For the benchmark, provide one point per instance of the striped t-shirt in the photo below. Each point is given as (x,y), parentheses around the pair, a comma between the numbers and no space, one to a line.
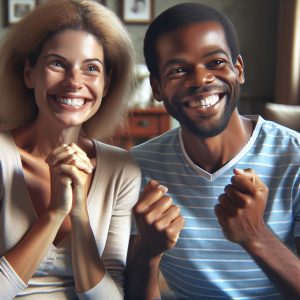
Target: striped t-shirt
(204,264)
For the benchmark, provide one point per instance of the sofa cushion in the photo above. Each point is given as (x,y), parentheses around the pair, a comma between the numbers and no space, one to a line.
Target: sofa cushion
(287,115)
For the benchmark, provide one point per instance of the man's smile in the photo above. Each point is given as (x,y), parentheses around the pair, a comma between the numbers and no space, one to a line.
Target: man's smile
(203,102)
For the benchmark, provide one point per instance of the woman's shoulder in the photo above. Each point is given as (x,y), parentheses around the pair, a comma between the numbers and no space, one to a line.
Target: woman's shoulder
(7,143)
(114,156)
(5,135)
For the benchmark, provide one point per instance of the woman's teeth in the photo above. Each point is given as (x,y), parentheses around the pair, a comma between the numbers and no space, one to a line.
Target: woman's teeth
(204,102)
(75,102)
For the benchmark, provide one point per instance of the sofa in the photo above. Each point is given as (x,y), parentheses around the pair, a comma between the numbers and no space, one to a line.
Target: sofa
(287,115)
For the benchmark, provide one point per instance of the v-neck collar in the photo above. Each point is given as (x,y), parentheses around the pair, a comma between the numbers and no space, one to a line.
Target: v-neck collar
(213,176)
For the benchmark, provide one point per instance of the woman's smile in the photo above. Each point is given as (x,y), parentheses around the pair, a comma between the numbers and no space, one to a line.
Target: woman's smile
(69,85)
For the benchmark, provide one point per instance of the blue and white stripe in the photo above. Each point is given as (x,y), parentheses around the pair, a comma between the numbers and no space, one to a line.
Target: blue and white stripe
(204,264)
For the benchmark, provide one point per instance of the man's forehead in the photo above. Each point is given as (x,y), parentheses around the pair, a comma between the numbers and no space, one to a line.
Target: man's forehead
(203,33)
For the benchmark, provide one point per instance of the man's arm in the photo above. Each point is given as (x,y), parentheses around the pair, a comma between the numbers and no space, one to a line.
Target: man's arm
(141,273)
(240,213)
(159,223)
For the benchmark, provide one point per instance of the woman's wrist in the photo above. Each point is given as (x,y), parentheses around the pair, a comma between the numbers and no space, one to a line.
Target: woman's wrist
(79,215)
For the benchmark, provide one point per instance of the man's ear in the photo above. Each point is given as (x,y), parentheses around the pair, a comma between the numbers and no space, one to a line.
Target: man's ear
(156,90)
(239,67)
(28,74)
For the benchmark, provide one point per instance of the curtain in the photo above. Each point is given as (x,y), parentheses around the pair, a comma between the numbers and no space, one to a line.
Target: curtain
(288,53)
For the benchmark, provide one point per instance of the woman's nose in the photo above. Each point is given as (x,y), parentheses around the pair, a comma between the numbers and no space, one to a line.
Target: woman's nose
(73,79)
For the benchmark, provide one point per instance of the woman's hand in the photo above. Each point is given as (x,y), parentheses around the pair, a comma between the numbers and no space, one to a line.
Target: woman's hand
(69,171)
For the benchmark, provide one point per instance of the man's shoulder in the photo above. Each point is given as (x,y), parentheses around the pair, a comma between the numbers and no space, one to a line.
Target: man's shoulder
(166,140)
(275,131)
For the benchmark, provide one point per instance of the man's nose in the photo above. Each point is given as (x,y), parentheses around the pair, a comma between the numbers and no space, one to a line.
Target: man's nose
(200,76)
(73,79)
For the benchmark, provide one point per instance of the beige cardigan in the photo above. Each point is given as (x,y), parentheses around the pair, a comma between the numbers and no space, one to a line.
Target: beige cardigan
(113,192)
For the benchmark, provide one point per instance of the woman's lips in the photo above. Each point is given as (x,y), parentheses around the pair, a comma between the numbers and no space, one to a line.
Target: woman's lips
(73,102)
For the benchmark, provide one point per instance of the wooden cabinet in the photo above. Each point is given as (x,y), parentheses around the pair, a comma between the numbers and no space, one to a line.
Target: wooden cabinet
(142,125)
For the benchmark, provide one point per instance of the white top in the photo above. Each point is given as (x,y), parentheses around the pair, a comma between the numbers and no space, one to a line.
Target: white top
(113,192)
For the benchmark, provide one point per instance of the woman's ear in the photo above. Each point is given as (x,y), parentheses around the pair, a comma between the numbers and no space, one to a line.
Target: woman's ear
(156,90)
(107,80)
(239,67)
(28,74)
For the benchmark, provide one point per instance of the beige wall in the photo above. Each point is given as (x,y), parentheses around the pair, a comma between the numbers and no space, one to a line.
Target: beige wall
(256,23)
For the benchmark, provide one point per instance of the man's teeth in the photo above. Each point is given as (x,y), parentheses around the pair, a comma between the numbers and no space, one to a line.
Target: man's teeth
(75,102)
(204,102)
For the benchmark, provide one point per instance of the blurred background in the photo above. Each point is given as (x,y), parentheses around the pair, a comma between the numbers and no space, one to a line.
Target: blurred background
(269,34)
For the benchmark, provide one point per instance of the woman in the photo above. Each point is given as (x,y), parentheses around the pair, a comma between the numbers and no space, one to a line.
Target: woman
(65,197)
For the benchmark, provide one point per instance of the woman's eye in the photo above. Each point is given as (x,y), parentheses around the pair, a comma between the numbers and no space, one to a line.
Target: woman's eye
(57,64)
(92,68)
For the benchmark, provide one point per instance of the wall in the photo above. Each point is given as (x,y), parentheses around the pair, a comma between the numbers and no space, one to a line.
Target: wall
(256,23)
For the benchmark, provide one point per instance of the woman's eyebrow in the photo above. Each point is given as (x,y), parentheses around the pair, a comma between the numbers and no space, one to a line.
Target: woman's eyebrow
(63,58)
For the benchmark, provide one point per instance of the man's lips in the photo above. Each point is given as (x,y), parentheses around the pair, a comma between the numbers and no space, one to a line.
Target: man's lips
(199,101)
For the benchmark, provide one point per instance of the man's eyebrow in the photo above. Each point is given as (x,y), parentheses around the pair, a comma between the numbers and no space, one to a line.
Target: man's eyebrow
(173,61)
(217,51)
(63,58)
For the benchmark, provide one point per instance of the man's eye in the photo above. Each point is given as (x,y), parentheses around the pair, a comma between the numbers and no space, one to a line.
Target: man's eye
(216,63)
(178,70)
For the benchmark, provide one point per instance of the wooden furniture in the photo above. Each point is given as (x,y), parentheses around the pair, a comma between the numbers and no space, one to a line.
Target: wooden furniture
(143,124)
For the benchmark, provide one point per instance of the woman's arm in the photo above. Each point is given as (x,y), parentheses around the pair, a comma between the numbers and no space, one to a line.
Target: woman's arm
(19,263)
(95,277)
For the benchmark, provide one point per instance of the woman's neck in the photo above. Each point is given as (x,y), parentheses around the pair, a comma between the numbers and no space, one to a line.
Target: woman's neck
(40,140)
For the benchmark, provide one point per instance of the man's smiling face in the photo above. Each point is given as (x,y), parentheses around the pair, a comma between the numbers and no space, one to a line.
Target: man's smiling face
(199,83)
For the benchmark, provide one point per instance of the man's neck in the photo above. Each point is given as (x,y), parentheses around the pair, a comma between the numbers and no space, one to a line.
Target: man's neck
(212,153)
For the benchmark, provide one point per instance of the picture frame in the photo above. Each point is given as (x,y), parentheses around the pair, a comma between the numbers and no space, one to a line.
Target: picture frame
(17,9)
(137,11)
(103,2)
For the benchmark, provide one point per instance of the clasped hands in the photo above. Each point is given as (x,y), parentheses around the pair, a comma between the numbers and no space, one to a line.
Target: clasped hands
(70,168)
(240,213)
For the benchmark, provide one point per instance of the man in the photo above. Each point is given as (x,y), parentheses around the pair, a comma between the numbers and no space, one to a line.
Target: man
(234,179)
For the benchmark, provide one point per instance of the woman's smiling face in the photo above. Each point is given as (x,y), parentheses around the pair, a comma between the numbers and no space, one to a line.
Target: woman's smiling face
(69,78)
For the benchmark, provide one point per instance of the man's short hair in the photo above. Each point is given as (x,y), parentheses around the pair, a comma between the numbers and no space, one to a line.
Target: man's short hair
(182,15)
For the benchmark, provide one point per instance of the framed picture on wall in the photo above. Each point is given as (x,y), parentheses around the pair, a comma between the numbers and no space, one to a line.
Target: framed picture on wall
(103,2)
(17,9)
(137,11)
